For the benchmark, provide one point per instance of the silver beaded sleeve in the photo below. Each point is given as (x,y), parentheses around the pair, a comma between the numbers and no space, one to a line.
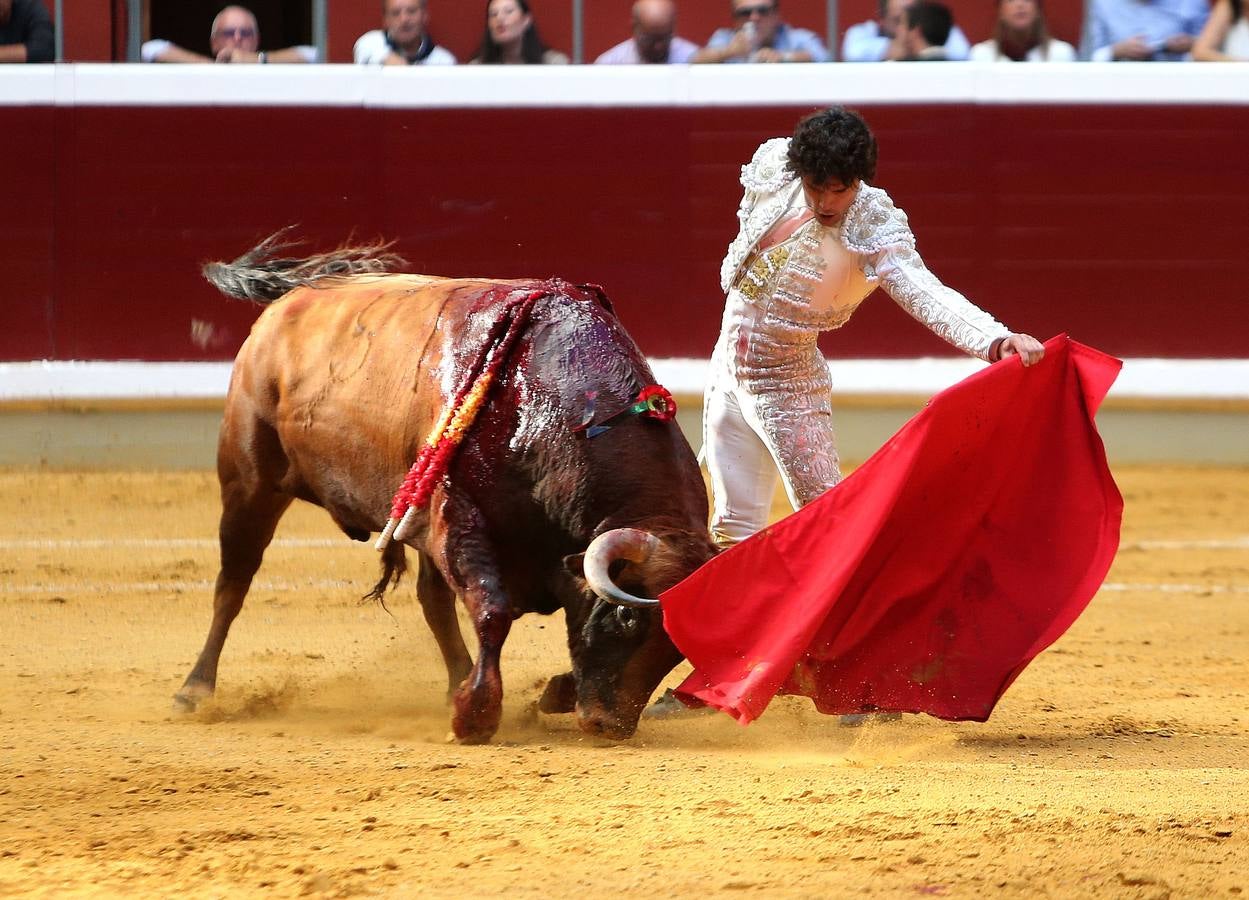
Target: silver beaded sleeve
(880,231)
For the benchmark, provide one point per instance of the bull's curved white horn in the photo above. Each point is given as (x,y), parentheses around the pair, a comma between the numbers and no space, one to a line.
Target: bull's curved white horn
(632,544)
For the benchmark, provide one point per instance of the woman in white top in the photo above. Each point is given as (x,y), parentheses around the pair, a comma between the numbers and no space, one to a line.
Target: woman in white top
(1022,36)
(1226,35)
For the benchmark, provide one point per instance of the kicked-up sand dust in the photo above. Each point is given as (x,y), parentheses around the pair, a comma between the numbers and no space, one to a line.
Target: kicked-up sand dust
(1116,766)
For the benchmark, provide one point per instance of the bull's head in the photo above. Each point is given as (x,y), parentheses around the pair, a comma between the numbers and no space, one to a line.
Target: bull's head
(623,651)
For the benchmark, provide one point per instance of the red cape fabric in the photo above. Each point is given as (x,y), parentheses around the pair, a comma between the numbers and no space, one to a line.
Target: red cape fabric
(930,577)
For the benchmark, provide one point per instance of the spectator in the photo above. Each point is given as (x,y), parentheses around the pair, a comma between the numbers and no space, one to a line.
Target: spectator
(927,29)
(235,38)
(1022,36)
(761,37)
(1226,35)
(405,40)
(654,37)
(26,34)
(511,37)
(881,39)
(1143,30)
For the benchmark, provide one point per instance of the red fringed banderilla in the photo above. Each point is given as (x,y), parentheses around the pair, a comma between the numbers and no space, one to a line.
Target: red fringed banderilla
(435,456)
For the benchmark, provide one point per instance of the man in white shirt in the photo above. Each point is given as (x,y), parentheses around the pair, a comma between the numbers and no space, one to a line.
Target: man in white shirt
(882,38)
(234,38)
(405,40)
(654,38)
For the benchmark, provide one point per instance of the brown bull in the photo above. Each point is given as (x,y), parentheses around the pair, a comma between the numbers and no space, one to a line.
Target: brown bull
(332,397)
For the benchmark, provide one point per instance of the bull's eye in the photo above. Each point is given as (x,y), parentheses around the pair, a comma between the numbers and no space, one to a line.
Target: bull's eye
(629,619)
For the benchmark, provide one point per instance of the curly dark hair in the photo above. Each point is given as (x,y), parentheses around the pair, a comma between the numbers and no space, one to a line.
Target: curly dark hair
(833,144)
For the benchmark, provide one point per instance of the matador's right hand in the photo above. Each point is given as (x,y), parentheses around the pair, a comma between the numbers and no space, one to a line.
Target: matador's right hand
(1029,350)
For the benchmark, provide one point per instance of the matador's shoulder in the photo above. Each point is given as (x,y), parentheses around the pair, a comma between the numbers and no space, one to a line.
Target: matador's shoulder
(873,223)
(768,169)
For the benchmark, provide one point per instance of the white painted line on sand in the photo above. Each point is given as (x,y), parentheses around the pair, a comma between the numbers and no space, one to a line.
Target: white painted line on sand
(147,587)
(1236,543)
(97,543)
(151,587)
(1233,543)
(1173,587)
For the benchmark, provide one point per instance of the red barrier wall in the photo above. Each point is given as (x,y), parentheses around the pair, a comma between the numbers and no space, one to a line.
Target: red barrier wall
(1123,226)
(92,28)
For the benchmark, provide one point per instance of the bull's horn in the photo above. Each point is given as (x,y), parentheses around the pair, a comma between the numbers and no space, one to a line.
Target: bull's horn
(619,543)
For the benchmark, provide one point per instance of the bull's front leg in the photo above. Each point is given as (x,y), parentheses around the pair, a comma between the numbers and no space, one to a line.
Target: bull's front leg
(468,560)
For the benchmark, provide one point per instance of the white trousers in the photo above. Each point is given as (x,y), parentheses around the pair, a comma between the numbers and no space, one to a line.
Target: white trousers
(745,457)
(741,465)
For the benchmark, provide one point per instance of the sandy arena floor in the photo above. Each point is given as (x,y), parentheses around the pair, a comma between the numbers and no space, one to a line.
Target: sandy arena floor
(1117,766)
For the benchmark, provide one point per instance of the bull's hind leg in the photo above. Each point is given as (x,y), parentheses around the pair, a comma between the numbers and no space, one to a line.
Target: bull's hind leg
(248,519)
(467,559)
(438,604)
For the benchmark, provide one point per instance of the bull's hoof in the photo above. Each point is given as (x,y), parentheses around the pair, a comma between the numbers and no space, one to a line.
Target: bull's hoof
(475,726)
(471,739)
(468,731)
(189,697)
(612,731)
(559,696)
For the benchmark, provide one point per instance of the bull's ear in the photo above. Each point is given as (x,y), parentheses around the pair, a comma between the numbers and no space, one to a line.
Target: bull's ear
(574,564)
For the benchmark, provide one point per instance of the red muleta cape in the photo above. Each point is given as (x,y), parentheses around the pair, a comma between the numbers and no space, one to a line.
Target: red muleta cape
(930,577)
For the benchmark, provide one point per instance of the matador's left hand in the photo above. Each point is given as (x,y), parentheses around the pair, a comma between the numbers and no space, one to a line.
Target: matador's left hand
(1028,348)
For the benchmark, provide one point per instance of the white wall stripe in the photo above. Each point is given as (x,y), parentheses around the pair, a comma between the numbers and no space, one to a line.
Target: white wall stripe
(105,84)
(1224,379)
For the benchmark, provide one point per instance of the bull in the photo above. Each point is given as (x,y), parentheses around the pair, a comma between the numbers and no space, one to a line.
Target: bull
(343,376)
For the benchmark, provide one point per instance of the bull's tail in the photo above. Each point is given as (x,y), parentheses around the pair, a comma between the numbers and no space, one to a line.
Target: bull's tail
(394,565)
(261,276)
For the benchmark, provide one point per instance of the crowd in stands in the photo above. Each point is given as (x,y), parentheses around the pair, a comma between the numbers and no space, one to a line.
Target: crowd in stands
(904,30)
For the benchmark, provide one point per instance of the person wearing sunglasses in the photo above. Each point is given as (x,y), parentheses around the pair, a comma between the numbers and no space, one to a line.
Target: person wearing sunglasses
(234,38)
(759,35)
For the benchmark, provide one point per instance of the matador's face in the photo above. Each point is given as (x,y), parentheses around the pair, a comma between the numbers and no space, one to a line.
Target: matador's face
(830,200)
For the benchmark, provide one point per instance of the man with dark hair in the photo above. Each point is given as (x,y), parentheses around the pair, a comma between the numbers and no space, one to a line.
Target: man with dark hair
(927,29)
(816,238)
(405,41)
(880,39)
(26,34)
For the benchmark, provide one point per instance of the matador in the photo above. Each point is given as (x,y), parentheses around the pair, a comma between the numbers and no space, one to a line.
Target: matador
(816,238)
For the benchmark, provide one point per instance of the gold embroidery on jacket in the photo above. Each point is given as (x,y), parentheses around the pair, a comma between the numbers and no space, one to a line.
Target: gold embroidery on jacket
(760,274)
